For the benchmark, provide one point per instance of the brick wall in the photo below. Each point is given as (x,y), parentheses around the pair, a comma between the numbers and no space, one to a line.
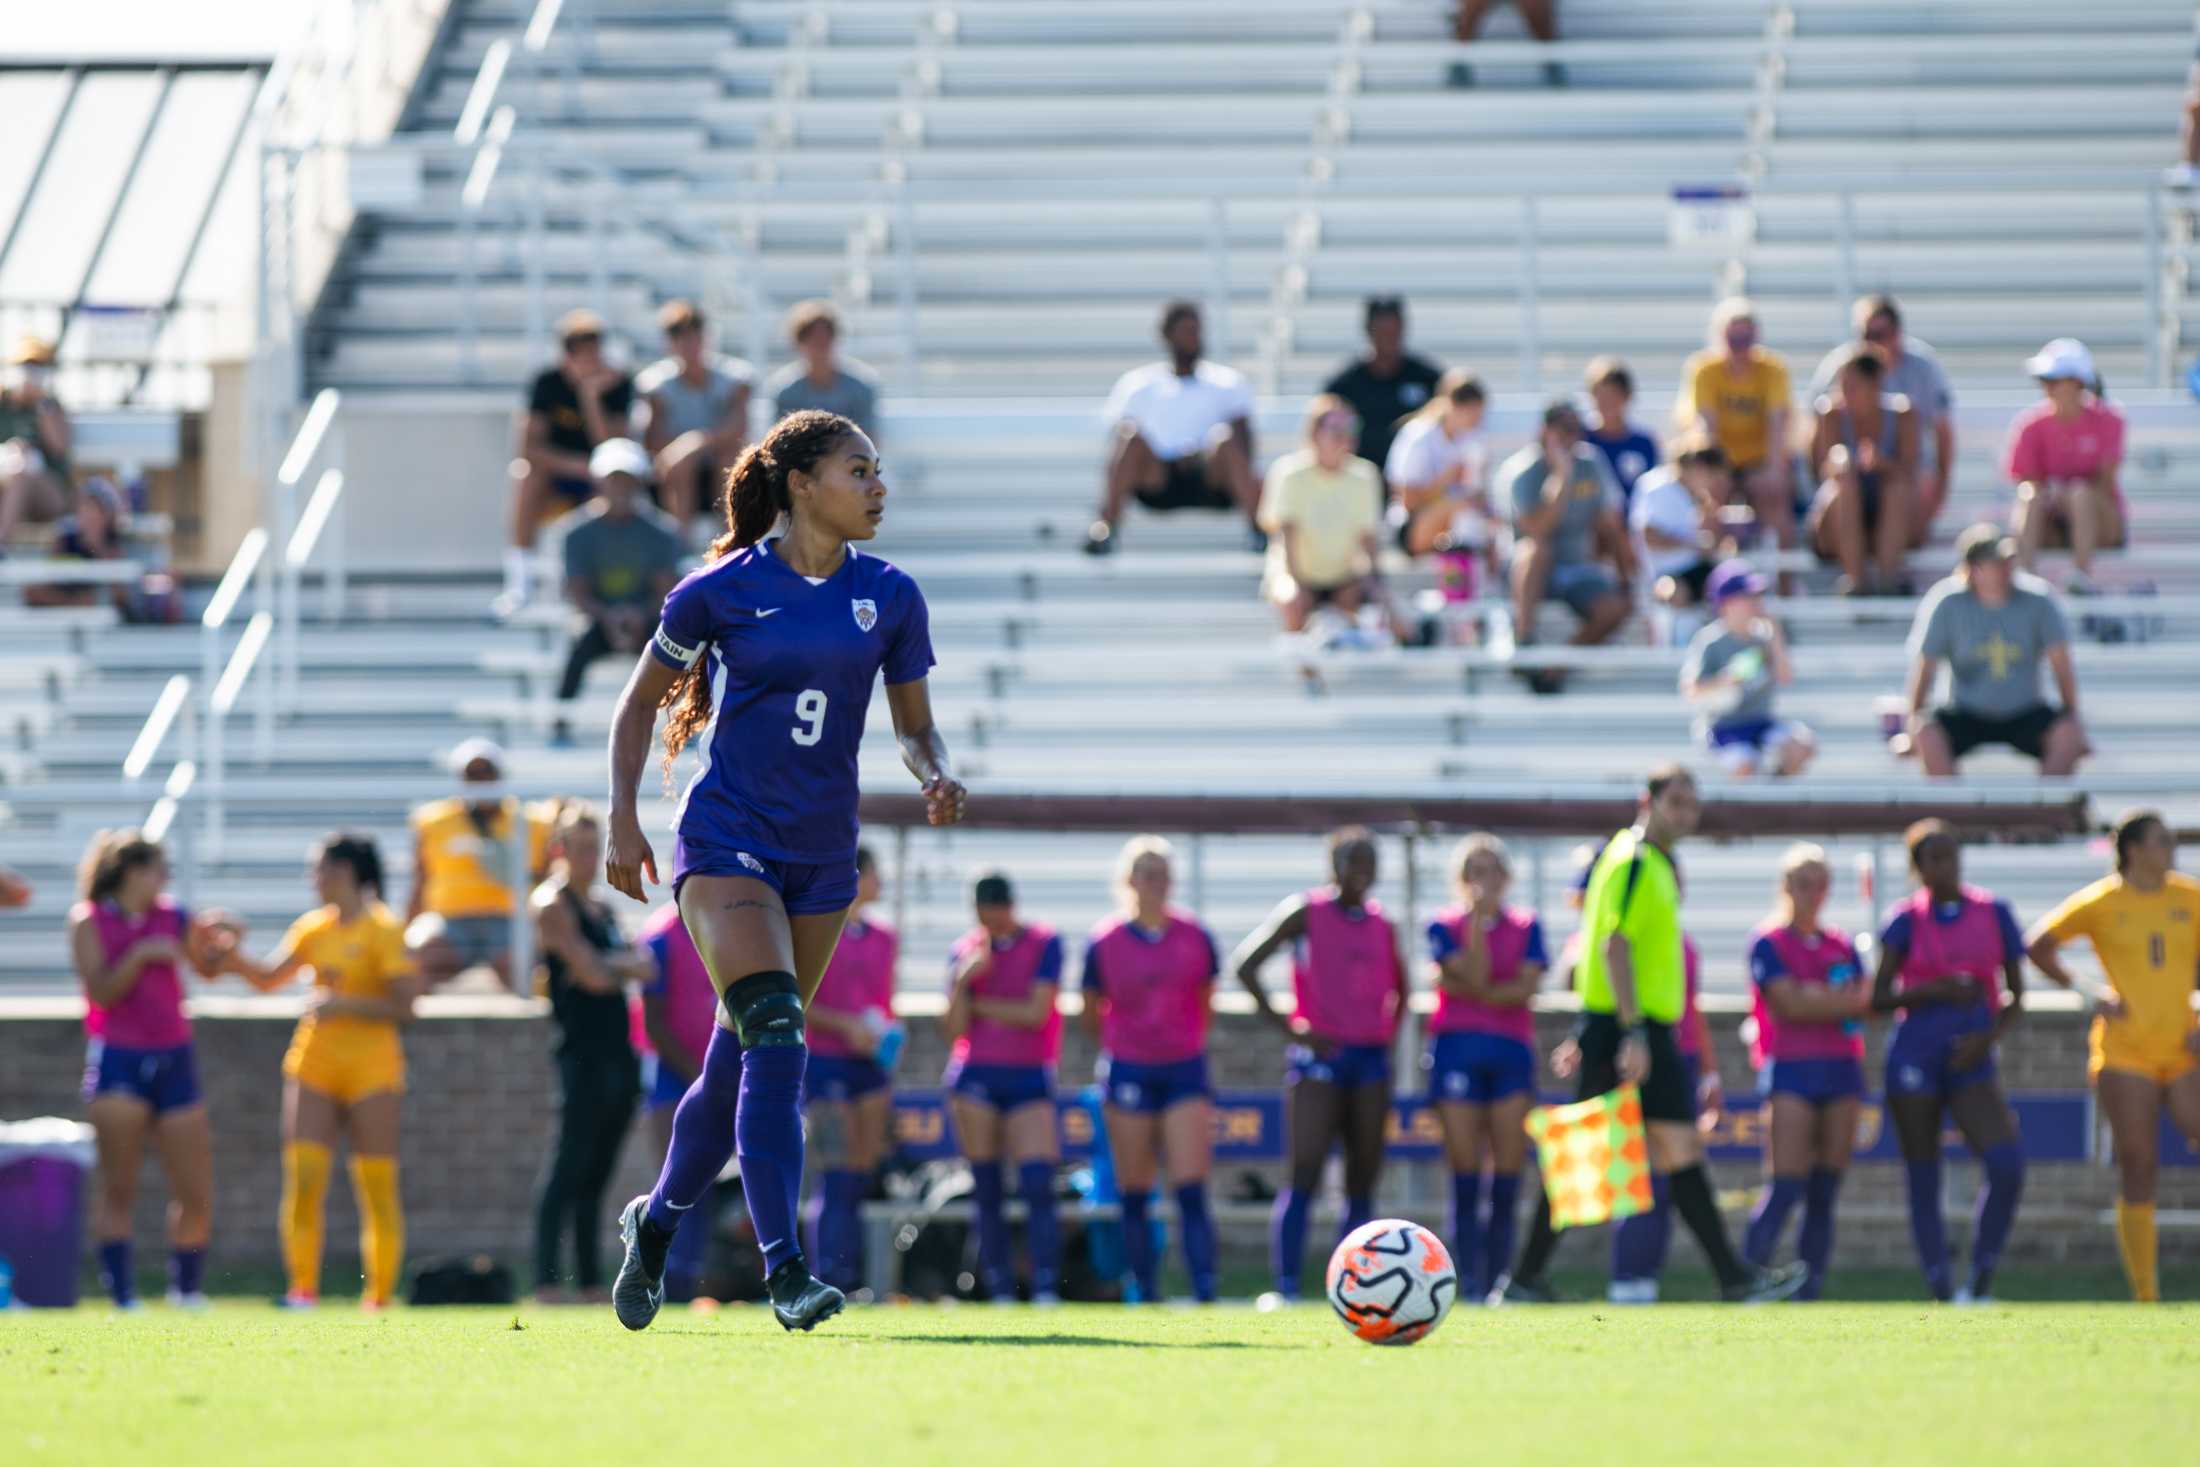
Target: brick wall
(481,1103)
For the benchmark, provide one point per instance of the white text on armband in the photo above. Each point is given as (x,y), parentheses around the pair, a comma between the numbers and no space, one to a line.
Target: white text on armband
(674,652)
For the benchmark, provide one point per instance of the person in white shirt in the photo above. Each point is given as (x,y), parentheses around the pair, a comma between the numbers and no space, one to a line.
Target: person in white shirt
(1675,519)
(1183,436)
(1439,472)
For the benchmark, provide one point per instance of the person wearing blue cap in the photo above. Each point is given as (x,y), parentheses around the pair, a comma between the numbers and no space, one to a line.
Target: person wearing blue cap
(1732,673)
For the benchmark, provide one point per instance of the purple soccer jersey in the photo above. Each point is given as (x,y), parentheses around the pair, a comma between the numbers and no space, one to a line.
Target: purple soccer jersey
(791,667)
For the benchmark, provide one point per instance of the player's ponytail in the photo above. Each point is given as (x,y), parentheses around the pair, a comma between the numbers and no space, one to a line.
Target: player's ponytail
(757,497)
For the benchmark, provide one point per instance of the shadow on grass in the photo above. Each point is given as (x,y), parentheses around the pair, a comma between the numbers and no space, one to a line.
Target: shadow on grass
(1082,1340)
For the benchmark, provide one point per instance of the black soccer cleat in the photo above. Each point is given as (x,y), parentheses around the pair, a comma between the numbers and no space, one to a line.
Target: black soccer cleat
(1510,1290)
(1768,1285)
(639,1290)
(798,1300)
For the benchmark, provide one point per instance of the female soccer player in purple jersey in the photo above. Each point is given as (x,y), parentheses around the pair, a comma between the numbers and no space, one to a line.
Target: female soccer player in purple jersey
(1945,958)
(769,653)
(1349,989)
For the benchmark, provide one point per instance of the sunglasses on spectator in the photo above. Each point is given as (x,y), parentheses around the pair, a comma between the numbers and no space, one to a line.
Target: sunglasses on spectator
(583,338)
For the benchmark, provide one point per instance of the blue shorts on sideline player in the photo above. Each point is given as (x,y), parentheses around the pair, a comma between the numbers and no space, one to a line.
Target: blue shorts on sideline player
(1477,1068)
(1152,1089)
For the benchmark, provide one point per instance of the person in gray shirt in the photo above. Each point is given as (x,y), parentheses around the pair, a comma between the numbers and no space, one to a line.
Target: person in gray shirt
(821,378)
(621,558)
(1915,373)
(1732,672)
(698,414)
(1993,628)
(1568,542)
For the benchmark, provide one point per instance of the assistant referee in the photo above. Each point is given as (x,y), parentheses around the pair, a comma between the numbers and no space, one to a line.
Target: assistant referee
(1631,979)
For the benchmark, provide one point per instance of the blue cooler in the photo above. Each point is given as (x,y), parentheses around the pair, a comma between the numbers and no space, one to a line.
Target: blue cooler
(42,1167)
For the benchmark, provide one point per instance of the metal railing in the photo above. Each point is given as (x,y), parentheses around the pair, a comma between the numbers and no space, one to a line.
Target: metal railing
(317,440)
(171,709)
(223,682)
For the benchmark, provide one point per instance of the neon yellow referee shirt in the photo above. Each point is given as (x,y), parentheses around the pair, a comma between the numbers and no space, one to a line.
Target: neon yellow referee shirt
(1633,891)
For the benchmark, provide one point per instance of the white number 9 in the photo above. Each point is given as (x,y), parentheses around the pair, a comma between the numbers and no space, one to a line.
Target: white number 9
(810,708)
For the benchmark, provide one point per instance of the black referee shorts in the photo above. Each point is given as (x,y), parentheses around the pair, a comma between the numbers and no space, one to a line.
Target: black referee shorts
(1666,1093)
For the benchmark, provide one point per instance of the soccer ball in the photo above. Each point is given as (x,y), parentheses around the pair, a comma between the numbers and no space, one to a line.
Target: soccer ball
(1391,1282)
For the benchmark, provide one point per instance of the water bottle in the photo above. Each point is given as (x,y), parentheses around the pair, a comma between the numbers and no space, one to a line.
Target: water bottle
(890,1036)
(7,1284)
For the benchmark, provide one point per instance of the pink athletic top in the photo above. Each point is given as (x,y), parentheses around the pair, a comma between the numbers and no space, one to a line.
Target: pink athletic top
(150,1015)
(1514,937)
(2045,449)
(1781,954)
(1972,939)
(1345,973)
(680,979)
(1157,987)
(859,979)
(1032,956)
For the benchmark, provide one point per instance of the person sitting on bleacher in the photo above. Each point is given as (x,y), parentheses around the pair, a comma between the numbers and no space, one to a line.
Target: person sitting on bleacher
(1386,384)
(1675,519)
(1321,508)
(34,444)
(1993,629)
(1864,452)
(1628,451)
(1734,670)
(621,558)
(820,379)
(94,532)
(1568,542)
(2065,455)
(1737,391)
(1914,372)
(698,415)
(1183,435)
(571,408)
(461,911)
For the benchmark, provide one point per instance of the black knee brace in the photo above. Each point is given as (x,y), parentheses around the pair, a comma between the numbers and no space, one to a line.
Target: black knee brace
(766,1009)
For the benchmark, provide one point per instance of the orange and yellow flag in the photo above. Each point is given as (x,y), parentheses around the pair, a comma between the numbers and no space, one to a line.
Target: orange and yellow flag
(1595,1161)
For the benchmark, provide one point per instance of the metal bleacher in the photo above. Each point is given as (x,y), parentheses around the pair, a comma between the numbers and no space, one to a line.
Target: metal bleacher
(999,194)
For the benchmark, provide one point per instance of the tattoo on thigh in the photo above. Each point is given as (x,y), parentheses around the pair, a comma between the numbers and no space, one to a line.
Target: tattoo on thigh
(748,902)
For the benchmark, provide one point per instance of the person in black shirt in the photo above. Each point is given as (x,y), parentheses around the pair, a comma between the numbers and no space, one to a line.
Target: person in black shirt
(1388,383)
(571,408)
(599,1079)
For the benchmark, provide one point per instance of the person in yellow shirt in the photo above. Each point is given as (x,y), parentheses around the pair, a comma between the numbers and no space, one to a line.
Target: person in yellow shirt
(345,1068)
(2144,924)
(1321,507)
(460,916)
(1737,391)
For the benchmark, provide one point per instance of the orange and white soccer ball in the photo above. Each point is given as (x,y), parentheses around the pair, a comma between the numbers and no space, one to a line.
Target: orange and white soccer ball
(1391,1282)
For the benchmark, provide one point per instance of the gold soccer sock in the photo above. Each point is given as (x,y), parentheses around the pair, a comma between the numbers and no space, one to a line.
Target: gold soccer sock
(2135,1237)
(305,1192)
(381,1224)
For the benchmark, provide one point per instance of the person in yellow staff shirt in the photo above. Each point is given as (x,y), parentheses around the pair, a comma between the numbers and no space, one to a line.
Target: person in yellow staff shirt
(460,916)
(345,1069)
(1737,391)
(2144,924)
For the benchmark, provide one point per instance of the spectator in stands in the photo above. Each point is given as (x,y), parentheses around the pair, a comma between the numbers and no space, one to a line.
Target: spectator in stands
(2187,171)
(1993,630)
(1568,543)
(620,559)
(14,890)
(1628,451)
(571,408)
(2065,455)
(35,438)
(1319,507)
(461,911)
(1439,472)
(698,414)
(1675,519)
(1539,16)
(1737,391)
(1183,435)
(1733,671)
(94,532)
(1912,371)
(1864,453)
(1386,384)
(822,378)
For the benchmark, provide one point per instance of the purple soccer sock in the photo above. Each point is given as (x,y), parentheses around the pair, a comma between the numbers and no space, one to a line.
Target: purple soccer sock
(1198,1226)
(1287,1239)
(702,1133)
(1815,1245)
(1357,1210)
(837,1236)
(1927,1230)
(1640,1242)
(689,1254)
(1497,1239)
(114,1271)
(1468,1239)
(1997,1212)
(986,1194)
(187,1270)
(1042,1229)
(1770,1219)
(1138,1245)
(767,1134)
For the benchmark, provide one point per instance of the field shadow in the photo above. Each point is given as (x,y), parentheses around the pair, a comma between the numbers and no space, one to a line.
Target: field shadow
(1080,1340)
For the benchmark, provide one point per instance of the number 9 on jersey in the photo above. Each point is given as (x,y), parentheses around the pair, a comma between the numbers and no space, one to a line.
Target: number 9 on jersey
(809,707)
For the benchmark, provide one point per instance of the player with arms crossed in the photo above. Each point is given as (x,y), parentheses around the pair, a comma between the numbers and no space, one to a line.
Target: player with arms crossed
(769,653)
(2144,924)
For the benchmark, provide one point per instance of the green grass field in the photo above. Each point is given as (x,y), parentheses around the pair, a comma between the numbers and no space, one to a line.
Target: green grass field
(1698,1384)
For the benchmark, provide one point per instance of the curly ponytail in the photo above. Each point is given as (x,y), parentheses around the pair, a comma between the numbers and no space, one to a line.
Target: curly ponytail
(756,497)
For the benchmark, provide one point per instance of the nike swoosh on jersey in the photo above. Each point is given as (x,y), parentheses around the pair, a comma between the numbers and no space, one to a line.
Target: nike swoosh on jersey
(764,611)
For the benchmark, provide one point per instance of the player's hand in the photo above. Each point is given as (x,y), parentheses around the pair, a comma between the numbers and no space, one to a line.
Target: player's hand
(1971,1051)
(943,800)
(2110,1005)
(628,858)
(1303,1033)
(1710,1102)
(1634,1060)
(1566,1059)
(1960,988)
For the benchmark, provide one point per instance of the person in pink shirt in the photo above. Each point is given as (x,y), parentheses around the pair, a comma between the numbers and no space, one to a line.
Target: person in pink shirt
(849,1088)
(677,1009)
(1003,977)
(1349,989)
(1809,999)
(1486,960)
(2065,455)
(130,941)
(1148,983)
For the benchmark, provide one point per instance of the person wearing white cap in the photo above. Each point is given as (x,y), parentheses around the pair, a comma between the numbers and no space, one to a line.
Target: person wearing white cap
(621,557)
(460,915)
(2065,453)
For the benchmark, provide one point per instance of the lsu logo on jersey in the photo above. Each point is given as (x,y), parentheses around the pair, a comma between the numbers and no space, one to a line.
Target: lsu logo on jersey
(866,613)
